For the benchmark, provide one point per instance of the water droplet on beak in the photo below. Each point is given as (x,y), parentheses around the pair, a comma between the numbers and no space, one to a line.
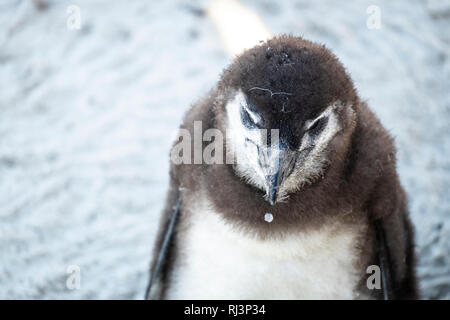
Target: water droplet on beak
(268,217)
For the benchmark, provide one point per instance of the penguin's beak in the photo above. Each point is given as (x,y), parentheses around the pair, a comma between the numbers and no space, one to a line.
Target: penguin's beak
(280,163)
(273,188)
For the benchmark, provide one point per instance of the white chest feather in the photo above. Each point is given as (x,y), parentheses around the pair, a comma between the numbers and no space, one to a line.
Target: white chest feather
(219,262)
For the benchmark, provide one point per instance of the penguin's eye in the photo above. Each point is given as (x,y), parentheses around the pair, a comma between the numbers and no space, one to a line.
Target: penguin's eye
(317,126)
(250,121)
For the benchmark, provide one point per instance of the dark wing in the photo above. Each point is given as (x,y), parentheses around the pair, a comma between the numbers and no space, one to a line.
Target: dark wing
(396,257)
(384,260)
(395,241)
(164,242)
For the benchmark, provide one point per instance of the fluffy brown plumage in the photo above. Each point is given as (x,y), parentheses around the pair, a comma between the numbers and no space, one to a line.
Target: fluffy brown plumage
(291,80)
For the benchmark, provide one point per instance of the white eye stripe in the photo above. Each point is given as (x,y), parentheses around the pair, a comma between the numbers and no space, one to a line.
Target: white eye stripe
(237,128)
(310,123)
(325,113)
(331,127)
(256,118)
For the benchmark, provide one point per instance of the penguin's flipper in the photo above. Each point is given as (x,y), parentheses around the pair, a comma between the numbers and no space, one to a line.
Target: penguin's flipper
(384,260)
(162,252)
(395,236)
(395,240)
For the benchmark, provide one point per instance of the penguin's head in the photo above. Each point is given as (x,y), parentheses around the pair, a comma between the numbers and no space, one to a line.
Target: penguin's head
(288,104)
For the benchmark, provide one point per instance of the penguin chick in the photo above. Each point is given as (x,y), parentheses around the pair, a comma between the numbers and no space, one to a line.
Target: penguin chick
(307,153)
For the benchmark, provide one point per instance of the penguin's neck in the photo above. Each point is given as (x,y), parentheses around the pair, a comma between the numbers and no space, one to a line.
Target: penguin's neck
(220,261)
